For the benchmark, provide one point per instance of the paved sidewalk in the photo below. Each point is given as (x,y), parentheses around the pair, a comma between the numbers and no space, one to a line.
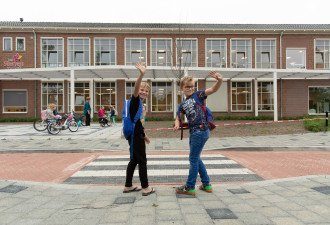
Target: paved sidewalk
(23,138)
(302,200)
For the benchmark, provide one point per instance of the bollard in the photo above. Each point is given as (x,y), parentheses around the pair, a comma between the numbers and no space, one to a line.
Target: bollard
(326,119)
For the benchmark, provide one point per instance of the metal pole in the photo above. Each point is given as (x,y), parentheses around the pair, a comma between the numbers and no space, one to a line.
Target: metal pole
(326,119)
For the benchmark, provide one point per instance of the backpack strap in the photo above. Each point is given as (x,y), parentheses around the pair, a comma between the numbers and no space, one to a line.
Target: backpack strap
(136,118)
(202,105)
(181,125)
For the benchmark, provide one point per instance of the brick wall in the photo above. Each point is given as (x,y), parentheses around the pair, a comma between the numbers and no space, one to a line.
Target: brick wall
(295,95)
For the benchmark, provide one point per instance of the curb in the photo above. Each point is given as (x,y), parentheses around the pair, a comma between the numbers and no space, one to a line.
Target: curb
(257,148)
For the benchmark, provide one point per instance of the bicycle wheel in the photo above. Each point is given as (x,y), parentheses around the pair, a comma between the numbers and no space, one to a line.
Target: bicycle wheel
(83,120)
(54,128)
(73,126)
(40,125)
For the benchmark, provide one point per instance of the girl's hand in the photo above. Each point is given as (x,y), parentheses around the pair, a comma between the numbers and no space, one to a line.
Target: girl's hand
(146,139)
(141,67)
(176,126)
(216,75)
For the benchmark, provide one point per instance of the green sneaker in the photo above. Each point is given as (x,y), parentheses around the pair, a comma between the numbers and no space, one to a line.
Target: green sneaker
(206,187)
(185,190)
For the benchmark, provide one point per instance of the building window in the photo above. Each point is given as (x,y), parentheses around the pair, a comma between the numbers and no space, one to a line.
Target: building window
(81,91)
(319,99)
(296,58)
(322,54)
(52,92)
(105,95)
(241,96)
(161,97)
(241,54)
(129,89)
(186,53)
(7,44)
(161,52)
(20,44)
(52,53)
(136,51)
(216,53)
(265,54)
(105,52)
(14,101)
(265,96)
(78,52)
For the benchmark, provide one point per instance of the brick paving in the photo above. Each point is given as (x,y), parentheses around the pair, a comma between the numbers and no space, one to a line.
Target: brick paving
(296,189)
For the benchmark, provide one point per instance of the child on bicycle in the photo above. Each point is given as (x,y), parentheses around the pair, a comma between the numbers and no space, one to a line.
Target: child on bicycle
(50,112)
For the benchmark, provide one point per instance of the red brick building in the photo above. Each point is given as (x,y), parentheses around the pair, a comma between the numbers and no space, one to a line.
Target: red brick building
(268,69)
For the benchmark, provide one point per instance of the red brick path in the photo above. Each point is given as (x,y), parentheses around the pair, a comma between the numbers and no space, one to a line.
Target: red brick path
(56,168)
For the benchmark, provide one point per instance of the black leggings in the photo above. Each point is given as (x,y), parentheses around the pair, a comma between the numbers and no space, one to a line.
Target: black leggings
(88,119)
(139,157)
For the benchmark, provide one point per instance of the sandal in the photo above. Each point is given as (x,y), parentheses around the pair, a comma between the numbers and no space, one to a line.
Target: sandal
(132,190)
(149,193)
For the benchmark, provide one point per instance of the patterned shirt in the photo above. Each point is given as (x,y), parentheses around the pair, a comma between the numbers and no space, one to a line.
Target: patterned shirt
(195,115)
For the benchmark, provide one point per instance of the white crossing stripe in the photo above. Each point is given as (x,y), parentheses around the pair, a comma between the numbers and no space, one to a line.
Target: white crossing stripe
(168,172)
(158,156)
(172,162)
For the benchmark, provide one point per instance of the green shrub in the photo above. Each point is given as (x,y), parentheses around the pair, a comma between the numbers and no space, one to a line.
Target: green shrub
(316,125)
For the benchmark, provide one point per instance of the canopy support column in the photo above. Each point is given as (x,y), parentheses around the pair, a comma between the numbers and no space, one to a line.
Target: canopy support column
(256,98)
(275,96)
(72,90)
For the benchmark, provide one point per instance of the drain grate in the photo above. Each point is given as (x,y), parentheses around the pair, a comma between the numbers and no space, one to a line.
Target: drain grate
(238,191)
(13,189)
(124,200)
(223,214)
(324,189)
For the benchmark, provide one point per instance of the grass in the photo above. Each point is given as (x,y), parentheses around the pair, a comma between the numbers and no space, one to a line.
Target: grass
(316,125)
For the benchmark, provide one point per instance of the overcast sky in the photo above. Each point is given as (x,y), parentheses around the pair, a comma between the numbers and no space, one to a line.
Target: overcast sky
(169,11)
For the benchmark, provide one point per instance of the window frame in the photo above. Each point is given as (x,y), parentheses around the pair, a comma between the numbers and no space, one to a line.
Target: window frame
(225,51)
(85,94)
(57,94)
(231,98)
(246,55)
(3,44)
(286,58)
(96,107)
(176,51)
(74,64)
(168,52)
(136,51)
(308,110)
(324,64)
(271,58)
(13,90)
(166,105)
(20,38)
(271,97)
(110,51)
(57,52)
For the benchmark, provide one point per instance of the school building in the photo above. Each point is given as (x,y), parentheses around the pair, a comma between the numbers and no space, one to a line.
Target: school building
(268,69)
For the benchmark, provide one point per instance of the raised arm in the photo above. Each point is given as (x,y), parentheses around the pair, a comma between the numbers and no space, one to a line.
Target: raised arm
(217,85)
(142,70)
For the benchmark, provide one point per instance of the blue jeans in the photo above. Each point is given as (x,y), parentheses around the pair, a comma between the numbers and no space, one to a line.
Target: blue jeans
(197,141)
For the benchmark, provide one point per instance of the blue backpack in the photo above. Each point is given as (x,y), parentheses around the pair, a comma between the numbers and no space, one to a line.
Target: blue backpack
(128,125)
(207,113)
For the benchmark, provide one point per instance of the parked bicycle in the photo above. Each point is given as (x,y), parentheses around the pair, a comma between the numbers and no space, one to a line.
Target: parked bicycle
(40,125)
(81,119)
(55,126)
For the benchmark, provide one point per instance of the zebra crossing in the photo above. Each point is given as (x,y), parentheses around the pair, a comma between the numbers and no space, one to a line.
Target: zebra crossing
(110,169)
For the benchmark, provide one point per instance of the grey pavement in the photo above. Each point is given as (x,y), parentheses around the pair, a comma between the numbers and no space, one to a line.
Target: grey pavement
(291,201)
(23,138)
